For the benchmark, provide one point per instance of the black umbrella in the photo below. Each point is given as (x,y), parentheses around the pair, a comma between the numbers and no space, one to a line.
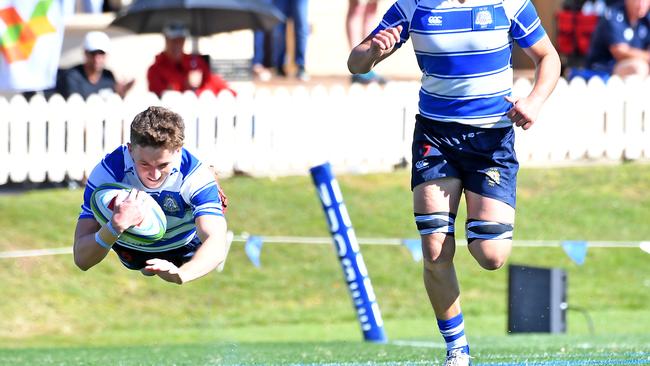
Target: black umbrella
(202,17)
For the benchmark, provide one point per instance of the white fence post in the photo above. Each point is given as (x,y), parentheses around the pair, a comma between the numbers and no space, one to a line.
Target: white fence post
(614,118)
(645,136)
(4,141)
(570,103)
(95,111)
(56,139)
(37,113)
(226,109)
(113,123)
(18,158)
(594,118)
(75,152)
(635,97)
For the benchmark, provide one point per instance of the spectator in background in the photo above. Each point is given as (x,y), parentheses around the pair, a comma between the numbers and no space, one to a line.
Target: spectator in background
(261,53)
(175,70)
(91,77)
(620,44)
(358,23)
(296,10)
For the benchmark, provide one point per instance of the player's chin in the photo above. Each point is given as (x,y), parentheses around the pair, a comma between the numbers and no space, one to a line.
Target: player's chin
(153,184)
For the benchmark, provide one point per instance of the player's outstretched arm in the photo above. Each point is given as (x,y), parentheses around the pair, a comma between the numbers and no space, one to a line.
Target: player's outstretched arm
(87,252)
(373,49)
(212,232)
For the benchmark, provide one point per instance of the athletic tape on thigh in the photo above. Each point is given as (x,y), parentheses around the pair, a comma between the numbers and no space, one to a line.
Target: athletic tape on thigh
(437,222)
(488,230)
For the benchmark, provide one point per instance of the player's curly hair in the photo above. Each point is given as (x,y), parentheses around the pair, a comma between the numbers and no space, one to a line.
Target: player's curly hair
(158,127)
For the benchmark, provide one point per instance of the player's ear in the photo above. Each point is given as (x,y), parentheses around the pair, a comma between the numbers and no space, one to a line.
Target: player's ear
(128,145)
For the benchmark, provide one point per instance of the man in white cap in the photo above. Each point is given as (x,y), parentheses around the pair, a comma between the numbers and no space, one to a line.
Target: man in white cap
(91,77)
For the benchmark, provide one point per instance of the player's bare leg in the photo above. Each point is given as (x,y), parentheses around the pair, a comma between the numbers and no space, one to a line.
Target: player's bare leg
(495,217)
(435,204)
(441,195)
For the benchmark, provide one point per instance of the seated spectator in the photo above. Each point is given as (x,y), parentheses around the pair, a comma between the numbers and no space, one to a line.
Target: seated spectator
(91,77)
(175,70)
(620,44)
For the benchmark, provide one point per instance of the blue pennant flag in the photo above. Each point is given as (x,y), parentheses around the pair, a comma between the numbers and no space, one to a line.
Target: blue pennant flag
(415,247)
(253,248)
(645,246)
(576,250)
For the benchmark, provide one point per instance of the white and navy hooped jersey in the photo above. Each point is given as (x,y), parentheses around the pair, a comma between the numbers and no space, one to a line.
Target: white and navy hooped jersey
(188,192)
(464,53)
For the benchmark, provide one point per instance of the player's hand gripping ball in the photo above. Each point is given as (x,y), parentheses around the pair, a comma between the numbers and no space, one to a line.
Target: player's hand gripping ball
(151,229)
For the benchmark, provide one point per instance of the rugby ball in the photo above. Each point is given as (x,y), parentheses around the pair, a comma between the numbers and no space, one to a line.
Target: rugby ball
(151,229)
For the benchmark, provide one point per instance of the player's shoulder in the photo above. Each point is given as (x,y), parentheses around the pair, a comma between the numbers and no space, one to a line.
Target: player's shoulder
(193,171)
(407,7)
(514,7)
(112,166)
(189,163)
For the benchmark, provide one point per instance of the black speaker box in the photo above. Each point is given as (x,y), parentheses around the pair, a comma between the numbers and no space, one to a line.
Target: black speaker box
(537,300)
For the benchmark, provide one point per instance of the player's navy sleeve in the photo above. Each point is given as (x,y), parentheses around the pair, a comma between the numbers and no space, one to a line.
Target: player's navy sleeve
(526,27)
(110,169)
(400,13)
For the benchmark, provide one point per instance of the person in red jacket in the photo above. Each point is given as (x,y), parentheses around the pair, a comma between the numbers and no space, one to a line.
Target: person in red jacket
(175,70)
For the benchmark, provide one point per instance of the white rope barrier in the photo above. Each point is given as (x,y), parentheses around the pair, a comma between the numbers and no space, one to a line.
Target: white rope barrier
(363,241)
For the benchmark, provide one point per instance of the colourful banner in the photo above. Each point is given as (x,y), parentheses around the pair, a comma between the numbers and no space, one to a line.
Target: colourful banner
(31,36)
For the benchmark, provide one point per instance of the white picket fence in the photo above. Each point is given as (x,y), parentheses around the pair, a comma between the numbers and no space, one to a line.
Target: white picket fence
(275,132)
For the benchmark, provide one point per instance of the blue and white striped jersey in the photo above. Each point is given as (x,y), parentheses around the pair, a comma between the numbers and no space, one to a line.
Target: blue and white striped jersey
(188,192)
(464,52)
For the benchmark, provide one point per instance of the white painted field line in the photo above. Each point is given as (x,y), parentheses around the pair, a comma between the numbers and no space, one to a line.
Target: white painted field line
(35,252)
(419,344)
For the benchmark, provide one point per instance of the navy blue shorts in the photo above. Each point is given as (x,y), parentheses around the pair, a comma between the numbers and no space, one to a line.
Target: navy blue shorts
(136,260)
(483,159)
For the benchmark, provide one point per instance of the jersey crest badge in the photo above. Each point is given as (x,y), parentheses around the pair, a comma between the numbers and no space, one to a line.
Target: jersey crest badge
(171,203)
(483,18)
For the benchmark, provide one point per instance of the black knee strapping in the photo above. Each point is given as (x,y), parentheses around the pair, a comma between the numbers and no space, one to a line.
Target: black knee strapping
(488,230)
(437,222)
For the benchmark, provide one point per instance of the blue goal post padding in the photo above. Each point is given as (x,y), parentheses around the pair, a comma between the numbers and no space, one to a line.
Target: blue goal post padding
(349,254)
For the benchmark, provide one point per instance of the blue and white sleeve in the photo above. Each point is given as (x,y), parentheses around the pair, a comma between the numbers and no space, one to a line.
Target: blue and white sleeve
(202,193)
(526,27)
(400,13)
(110,169)
(98,176)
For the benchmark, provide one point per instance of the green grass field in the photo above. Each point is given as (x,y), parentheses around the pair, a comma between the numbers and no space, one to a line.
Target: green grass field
(295,309)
